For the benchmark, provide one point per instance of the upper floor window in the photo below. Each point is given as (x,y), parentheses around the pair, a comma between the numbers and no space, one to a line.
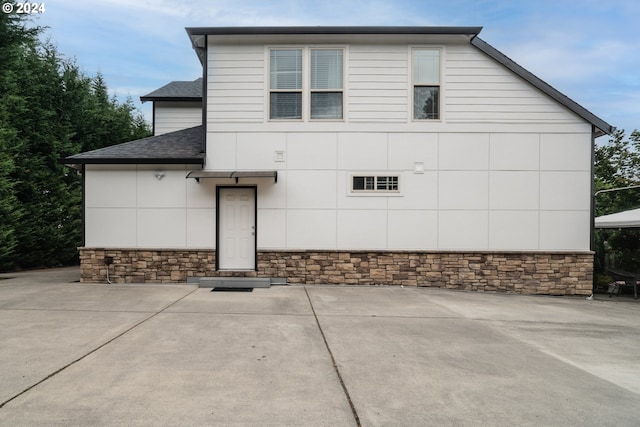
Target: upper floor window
(326,83)
(290,88)
(285,84)
(426,84)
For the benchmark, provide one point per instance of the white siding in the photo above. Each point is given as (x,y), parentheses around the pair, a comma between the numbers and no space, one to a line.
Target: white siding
(478,89)
(236,84)
(172,116)
(377,83)
(506,168)
(482,191)
(322,235)
(257,151)
(517,230)
(128,207)
(110,227)
(463,229)
(494,201)
(412,229)
(361,229)
(378,88)
(564,229)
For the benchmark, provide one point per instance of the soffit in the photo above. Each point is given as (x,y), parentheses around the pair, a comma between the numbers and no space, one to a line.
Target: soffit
(241,35)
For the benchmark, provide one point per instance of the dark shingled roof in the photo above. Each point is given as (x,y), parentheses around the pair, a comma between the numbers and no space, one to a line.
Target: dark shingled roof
(176,91)
(182,146)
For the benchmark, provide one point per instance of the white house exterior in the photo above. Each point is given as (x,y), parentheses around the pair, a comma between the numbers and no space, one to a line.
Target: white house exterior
(359,155)
(176,106)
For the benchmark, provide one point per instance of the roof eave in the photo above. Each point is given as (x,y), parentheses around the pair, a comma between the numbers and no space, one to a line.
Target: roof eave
(198,42)
(171,98)
(202,31)
(70,161)
(601,127)
(198,35)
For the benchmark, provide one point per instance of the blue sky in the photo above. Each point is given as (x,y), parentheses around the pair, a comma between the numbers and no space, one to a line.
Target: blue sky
(589,50)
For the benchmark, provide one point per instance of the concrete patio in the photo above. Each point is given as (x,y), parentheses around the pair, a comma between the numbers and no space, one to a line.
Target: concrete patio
(75,355)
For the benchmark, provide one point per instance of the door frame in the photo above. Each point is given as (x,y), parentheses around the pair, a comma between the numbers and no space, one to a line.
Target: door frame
(255,220)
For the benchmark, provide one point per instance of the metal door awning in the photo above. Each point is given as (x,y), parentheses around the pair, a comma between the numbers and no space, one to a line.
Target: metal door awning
(197,175)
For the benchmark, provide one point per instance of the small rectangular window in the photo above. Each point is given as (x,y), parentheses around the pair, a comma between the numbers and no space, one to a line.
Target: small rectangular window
(387,183)
(285,84)
(426,84)
(375,183)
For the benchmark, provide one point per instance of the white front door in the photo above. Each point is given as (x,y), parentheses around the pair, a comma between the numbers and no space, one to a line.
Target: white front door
(237,228)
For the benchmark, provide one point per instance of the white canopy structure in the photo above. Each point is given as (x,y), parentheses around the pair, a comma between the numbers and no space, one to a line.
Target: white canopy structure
(625,219)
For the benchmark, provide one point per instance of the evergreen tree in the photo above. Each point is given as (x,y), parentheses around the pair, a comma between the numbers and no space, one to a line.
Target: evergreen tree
(14,38)
(48,110)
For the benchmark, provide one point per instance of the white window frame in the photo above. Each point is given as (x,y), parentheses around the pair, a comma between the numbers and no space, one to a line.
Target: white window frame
(270,91)
(306,82)
(341,90)
(439,84)
(375,191)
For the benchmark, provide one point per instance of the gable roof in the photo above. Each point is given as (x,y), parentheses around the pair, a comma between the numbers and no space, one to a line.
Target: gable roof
(198,37)
(177,91)
(179,147)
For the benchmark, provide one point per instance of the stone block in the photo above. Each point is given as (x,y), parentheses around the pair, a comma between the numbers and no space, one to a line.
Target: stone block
(557,274)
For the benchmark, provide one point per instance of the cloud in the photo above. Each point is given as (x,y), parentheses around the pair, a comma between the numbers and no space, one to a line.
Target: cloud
(174,9)
(563,58)
(588,50)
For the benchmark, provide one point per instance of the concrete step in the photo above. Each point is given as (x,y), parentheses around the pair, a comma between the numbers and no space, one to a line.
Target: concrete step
(232,282)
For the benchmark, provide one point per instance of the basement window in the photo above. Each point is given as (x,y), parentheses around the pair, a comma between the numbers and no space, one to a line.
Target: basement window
(375,183)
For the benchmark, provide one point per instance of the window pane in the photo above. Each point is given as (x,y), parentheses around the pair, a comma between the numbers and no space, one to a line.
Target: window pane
(368,183)
(382,183)
(426,66)
(285,105)
(426,102)
(387,183)
(326,69)
(326,105)
(362,183)
(286,69)
(393,183)
(358,182)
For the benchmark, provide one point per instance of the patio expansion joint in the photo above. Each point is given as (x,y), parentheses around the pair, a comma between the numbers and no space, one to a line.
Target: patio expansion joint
(333,361)
(53,374)
(72,310)
(239,313)
(393,316)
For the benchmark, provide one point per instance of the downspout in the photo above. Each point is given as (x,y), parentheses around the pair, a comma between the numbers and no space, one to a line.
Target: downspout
(83,205)
(592,230)
(204,94)
(592,239)
(153,118)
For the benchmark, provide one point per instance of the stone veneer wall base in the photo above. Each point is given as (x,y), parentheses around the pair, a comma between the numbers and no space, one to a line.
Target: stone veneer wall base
(551,273)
